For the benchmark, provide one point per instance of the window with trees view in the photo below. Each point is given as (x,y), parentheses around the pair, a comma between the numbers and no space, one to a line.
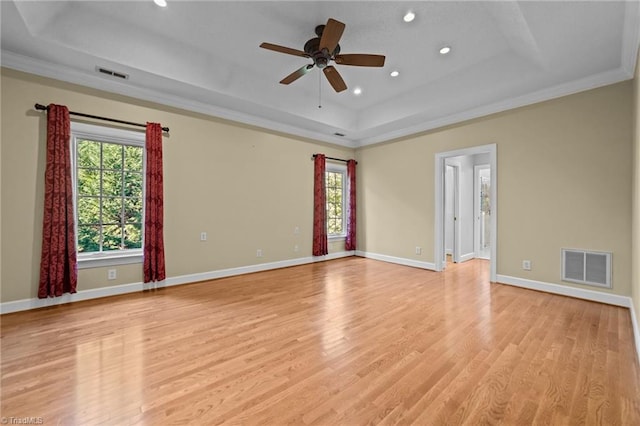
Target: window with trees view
(109,182)
(335,186)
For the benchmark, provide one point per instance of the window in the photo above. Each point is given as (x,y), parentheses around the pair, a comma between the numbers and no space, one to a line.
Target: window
(336,208)
(108,175)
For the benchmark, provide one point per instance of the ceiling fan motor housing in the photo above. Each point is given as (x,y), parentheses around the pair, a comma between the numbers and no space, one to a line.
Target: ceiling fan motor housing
(320,57)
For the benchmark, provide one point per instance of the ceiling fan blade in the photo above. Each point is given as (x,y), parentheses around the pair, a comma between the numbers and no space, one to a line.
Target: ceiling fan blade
(335,79)
(360,60)
(296,74)
(331,35)
(282,49)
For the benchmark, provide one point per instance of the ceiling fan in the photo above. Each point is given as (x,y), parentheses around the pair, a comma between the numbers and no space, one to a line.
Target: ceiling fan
(322,50)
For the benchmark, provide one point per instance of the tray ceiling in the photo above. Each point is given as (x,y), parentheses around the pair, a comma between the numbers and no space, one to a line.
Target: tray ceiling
(204,57)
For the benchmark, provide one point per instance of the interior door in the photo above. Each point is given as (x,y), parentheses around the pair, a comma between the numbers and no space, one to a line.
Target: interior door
(482,211)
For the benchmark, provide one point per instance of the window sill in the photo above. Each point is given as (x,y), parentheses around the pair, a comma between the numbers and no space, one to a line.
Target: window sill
(103,260)
(337,237)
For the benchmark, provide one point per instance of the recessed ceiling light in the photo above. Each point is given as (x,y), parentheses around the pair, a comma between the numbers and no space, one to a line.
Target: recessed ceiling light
(410,16)
(394,73)
(357,91)
(161,3)
(444,50)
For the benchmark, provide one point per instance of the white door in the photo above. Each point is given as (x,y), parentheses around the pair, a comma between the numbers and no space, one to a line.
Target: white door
(482,211)
(451,213)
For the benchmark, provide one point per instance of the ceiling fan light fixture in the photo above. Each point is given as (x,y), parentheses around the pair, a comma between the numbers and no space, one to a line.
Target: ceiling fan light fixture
(409,16)
(394,73)
(444,50)
(161,3)
(357,91)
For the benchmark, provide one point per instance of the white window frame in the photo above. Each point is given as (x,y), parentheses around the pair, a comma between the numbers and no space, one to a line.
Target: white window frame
(339,168)
(106,134)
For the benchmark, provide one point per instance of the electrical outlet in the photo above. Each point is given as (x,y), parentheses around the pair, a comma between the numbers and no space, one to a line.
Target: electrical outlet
(111,274)
(296,248)
(418,250)
(259,253)
(203,236)
(526,265)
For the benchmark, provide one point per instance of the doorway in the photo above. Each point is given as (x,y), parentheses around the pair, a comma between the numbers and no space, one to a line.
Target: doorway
(468,228)
(482,211)
(451,212)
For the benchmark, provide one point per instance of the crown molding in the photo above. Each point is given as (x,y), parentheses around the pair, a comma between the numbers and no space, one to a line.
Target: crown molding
(572,87)
(58,72)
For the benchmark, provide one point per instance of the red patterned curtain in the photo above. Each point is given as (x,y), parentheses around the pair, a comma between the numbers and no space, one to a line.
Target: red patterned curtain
(320,245)
(154,216)
(350,242)
(58,267)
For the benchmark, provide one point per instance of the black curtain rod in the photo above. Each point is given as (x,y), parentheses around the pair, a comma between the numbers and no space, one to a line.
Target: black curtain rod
(334,159)
(97,117)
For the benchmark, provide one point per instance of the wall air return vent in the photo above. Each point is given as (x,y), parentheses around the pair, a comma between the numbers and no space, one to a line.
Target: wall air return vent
(112,73)
(586,267)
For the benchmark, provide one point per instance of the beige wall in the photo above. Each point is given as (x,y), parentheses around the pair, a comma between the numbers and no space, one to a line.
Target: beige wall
(246,188)
(635,227)
(563,181)
(564,170)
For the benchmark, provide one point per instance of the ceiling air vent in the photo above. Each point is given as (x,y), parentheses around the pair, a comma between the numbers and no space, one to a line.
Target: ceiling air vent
(339,134)
(586,267)
(112,73)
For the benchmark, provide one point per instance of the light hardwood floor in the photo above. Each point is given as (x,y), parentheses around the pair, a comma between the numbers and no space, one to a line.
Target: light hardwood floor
(351,341)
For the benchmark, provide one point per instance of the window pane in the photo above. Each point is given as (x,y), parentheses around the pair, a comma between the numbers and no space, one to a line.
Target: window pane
(110,189)
(338,177)
(88,238)
(133,235)
(133,158)
(88,210)
(335,200)
(88,154)
(133,185)
(112,156)
(88,182)
(111,183)
(111,237)
(336,226)
(132,210)
(334,210)
(112,210)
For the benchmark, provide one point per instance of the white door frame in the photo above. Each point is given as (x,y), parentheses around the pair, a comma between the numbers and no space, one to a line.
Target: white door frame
(457,241)
(477,214)
(440,169)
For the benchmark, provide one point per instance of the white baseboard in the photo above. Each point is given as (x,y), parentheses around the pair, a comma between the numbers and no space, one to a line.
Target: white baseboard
(468,256)
(398,260)
(636,329)
(579,293)
(34,303)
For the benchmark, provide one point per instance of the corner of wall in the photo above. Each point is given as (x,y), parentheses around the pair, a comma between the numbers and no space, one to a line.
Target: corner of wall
(635,206)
